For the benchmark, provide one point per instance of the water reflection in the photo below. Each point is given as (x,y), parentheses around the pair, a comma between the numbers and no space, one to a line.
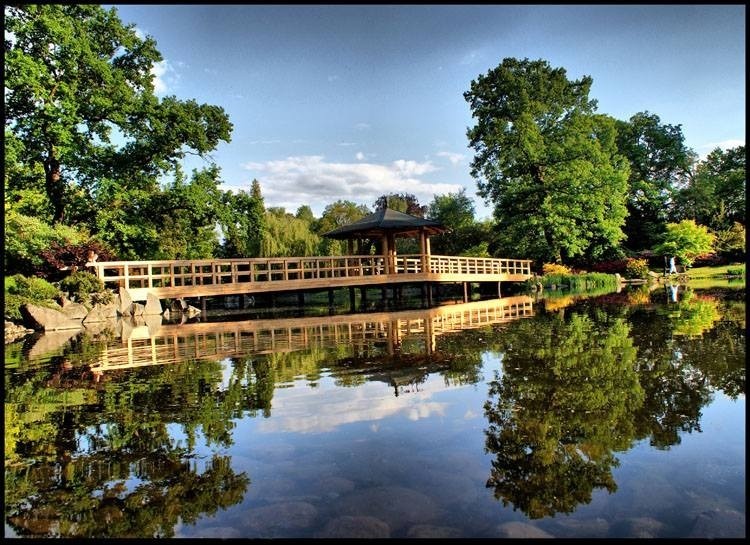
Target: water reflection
(163,425)
(561,409)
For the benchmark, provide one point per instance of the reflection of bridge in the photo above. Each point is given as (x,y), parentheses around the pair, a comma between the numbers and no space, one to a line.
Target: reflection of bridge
(202,278)
(170,343)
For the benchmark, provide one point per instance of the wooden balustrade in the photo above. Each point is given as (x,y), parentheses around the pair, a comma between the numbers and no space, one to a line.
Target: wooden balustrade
(186,278)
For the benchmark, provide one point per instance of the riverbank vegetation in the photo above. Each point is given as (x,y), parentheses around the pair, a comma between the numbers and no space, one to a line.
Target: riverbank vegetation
(94,165)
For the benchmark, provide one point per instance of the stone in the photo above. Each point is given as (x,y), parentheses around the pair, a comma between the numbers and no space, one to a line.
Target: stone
(75,311)
(270,519)
(427,531)
(521,530)
(719,524)
(355,527)
(137,309)
(192,311)
(47,319)
(101,313)
(15,332)
(124,302)
(396,505)
(153,305)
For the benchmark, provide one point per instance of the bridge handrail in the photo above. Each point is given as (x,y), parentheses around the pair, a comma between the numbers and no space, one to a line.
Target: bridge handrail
(191,272)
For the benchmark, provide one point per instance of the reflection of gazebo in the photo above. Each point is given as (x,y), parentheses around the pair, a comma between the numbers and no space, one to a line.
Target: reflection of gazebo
(386,225)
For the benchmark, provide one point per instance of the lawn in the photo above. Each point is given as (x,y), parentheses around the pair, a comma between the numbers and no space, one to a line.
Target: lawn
(710,272)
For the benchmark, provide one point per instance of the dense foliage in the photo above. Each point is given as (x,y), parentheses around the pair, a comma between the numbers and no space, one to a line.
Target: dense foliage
(547,162)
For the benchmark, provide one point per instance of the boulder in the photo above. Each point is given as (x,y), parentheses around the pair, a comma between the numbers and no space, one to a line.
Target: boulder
(192,311)
(101,313)
(14,332)
(137,309)
(74,311)
(47,319)
(153,305)
(124,302)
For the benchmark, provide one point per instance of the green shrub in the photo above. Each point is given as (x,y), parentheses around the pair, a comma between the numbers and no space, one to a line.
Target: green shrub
(736,272)
(20,289)
(81,284)
(636,268)
(580,282)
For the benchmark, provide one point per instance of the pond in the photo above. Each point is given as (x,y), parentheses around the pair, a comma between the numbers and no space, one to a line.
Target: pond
(615,415)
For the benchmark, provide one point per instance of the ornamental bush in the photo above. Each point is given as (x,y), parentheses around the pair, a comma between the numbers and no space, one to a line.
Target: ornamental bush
(554,268)
(81,284)
(636,268)
(20,289)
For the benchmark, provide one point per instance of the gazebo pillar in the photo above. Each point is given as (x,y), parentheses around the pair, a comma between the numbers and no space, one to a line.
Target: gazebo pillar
(392,252)
(386,252)
(351,246)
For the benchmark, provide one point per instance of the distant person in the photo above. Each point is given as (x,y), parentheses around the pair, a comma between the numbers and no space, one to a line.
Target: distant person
(672,266)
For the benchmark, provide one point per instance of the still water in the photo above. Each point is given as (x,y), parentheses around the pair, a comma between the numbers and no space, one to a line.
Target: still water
(618,415)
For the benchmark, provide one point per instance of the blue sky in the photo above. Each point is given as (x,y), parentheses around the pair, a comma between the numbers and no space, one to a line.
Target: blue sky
(353,101)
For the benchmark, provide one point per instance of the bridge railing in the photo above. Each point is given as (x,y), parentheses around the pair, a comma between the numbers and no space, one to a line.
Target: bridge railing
(163,274)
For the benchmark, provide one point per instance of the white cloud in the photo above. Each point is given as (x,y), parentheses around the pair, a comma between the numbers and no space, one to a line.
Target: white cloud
(362,126)
(314,181)
(360,156)
(347,143)
(159,72)
(333,78)
(454,158)
(724,144)
(705,149)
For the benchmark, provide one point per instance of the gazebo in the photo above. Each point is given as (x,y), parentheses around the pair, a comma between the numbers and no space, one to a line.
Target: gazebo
(387,224)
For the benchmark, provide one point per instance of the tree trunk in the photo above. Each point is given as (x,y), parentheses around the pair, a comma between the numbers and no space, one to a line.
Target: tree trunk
(54,186)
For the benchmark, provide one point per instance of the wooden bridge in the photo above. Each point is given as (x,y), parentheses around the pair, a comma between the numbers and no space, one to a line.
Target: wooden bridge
(213,277)
(171,343)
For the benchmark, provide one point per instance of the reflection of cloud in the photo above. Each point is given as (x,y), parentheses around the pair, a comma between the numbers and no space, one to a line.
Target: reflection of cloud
(304,410)
(306,179)
(362,126)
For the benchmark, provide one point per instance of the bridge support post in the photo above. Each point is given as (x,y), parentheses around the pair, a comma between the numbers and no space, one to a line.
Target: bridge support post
(330,300)
(499,291)
(352,300)
(363,298)
(466,292)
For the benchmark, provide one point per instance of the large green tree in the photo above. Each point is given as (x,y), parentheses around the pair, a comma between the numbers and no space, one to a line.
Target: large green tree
(243,223)
(659,164)
(81,107)
(337,214)
(685,240)
(715,195)
(466,235)
(547,162)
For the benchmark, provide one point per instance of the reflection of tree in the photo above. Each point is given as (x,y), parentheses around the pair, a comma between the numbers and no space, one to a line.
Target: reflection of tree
(102,459)
(562,406)
(679,372)
(92,498)
(694,315)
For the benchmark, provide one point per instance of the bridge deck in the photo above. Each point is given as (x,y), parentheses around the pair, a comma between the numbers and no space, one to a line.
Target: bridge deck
(199,278)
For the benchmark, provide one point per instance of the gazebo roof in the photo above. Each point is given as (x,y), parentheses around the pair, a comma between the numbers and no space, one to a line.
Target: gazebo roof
(386,221)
